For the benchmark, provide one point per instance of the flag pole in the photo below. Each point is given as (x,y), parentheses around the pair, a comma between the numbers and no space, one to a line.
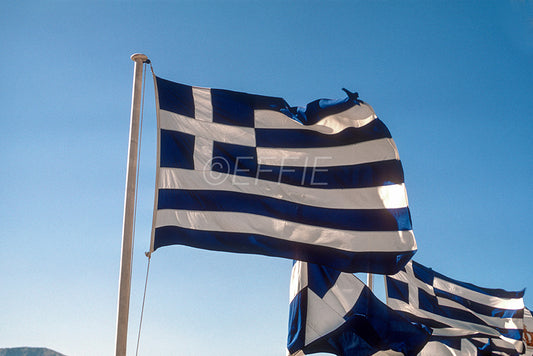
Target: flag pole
(370,281)
(124,286)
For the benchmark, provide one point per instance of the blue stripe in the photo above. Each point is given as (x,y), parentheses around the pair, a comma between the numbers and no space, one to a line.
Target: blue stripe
(175,97)
(232,108)
(234,159)
(235,108)
(375,262)
(242,161)
(305,138)
(365,175)
(297,321)
(481,308)
(343,219)
(177,150)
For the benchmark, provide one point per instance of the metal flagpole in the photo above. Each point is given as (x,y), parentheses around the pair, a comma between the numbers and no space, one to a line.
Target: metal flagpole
(370,281)
(124,286)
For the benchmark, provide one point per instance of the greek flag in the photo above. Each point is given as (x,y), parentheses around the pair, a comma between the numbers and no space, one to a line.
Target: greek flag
(466,319)
(335,312)
(250,174)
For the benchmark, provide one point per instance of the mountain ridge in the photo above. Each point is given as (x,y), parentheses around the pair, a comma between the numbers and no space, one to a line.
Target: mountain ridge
(28,351)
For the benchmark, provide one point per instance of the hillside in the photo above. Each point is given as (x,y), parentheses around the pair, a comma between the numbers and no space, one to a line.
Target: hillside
(28,351)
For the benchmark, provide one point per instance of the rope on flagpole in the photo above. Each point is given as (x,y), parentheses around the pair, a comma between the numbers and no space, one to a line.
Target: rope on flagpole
(149,255)
(146,63)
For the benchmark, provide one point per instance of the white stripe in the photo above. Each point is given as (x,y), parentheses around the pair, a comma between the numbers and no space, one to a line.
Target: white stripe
(298,279)
(203,153)
(203,109)
(214,131)
(451,332)
(496,302)
(354,241)
(358,153)
(356,116)
(388,196)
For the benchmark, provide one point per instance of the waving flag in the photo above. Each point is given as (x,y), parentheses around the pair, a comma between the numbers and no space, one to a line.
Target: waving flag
(335,312)
(466,319)
(250,174)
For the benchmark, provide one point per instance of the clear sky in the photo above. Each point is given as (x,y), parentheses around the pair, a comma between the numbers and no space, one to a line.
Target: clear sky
(453,81)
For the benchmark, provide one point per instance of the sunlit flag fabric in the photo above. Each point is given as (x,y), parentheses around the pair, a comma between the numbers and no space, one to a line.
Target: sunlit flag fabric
(248,173)
(528,332)
(335,312)
(466,319)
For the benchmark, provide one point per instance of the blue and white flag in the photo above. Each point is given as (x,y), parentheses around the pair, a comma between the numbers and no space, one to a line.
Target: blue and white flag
(335,312)
(250,174)
(466,319)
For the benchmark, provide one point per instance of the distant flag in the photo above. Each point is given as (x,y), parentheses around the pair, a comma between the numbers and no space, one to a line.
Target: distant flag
(335,312)
(250,174)
(466,319)
(528,332)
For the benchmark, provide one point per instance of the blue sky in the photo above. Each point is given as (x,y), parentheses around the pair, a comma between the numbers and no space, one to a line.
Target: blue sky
(452,80)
